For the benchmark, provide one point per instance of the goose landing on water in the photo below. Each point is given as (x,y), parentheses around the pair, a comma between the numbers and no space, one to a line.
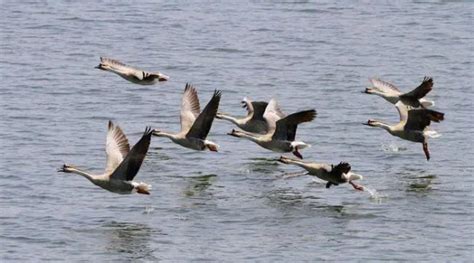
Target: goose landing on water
(254,121)
(334,175)
(129,73)
(392,94)
(413,125)
(282,131)
(122,163)
(195,125)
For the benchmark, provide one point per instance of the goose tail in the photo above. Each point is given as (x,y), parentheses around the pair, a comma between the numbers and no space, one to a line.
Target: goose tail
(142,188)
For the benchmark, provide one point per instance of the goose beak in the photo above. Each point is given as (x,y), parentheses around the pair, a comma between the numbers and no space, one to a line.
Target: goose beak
(98,66)
(232,133)
(368,91)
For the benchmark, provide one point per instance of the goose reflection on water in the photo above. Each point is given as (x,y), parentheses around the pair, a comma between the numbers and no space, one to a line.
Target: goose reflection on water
(131,240)
(197,185)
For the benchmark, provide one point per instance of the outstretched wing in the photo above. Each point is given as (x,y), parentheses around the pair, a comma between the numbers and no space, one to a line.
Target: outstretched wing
(202,125)
(412,98)
(419,119)
(131,164)
(340,169)
(190,107)
(286,127)
(123,69)
(402,110)
(258,110)
(272,114)
(383,86)
(116,147)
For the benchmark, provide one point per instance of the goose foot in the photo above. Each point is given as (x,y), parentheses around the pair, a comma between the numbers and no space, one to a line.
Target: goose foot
(427,152)
(356,186)
(297,154)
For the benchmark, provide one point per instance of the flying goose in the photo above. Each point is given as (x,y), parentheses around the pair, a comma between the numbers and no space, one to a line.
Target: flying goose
(122,163)
(413,125)
(334,175)
(195,125)
(392,94)
(254,121)
(129,73)
(282,131)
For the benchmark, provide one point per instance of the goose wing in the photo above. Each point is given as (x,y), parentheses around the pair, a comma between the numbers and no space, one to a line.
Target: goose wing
(286,127)
(129,167)
(412,98)
(116,147)
(383,86)
(202,125)
(402,110)
(190,107)
(272,114)
(419,119)
(123,69)
(340,169)
(255,109)
(258,110)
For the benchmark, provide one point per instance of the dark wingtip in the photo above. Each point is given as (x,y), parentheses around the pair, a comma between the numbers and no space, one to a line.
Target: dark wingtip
(188,86)
(148,131)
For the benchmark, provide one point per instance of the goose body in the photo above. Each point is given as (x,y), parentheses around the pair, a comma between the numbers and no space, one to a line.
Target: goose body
(334,175)
(282,130)
(254,121)
(122,163)
(195,125)
(392,94)
(131,74)
(413,125)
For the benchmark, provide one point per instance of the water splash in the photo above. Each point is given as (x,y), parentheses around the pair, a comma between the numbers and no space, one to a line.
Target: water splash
(392,147)
(148,210)
(374,194)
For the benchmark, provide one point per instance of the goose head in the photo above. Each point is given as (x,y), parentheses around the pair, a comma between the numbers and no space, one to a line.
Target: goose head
(372,123)
(157,133)
(66,168)
(102,67)
(368,91)
(236,133)
(220,115)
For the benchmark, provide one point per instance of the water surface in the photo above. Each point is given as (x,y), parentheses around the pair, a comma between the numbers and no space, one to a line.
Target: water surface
(237,204)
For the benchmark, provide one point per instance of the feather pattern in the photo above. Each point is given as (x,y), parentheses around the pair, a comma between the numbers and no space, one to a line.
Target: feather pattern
(190,107)
(202,125)
(131,164)
(116,147)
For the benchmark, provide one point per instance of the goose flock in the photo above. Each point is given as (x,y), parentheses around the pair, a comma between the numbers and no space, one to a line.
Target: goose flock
(265,124)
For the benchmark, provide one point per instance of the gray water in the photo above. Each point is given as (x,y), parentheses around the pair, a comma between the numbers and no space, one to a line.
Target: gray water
(238,204)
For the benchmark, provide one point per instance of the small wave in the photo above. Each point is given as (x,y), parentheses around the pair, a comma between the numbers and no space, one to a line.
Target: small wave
(227,50)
